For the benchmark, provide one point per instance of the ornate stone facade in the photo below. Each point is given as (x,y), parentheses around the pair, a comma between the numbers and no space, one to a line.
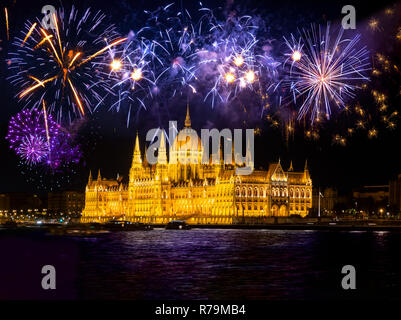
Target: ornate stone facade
(195,192)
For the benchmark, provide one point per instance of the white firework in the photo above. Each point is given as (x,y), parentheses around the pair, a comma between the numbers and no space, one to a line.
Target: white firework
(325,73)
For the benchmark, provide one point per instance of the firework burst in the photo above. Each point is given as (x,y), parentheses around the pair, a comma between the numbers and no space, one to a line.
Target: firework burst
(39,140)
(129,72)
(235,59)
(33,149)
(156,63)
(176,40)
(57,64)
(324,72)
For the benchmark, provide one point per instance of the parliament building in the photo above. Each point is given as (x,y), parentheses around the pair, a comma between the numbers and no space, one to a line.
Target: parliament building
(196,192)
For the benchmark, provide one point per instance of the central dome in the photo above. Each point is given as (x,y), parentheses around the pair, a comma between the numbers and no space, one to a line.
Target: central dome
(187,143)
(181,144)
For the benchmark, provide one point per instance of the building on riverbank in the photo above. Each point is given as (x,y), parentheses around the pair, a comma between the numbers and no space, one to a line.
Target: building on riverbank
(196,192)
(395,194)
(14,203)
(371,199)
(68,203)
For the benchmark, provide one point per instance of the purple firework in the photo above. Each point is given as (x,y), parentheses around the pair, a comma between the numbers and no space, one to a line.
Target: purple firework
(33,149)
(62,152)
(29,138)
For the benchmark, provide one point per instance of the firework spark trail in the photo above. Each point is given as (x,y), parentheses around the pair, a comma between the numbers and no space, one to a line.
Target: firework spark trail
(28,34)
(325,73)
(61,62)
(7,28)
(102,50)
(46,123)
(81,108)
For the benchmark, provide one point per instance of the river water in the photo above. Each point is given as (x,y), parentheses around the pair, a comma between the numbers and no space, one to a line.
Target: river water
(203,264)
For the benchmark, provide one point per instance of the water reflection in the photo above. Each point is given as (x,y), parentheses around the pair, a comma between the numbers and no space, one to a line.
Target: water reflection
(238,264)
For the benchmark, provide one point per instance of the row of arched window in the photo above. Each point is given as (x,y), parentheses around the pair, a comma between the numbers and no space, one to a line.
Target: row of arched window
(250,192)
(300,193)
(276,192)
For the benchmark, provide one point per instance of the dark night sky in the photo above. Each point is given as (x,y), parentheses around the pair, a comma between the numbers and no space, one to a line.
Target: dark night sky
(107,143)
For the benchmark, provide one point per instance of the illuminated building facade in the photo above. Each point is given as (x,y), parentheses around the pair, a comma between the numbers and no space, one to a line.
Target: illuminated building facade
(196,192)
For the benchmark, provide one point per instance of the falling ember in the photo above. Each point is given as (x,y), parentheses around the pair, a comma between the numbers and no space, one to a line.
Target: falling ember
(229,77)
(374,24)
(296,55)
(340,140)
(372,133)
(389,11)
(398,35)
(136,75)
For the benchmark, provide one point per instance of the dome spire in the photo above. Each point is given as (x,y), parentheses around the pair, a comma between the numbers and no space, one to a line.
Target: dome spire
(187,118)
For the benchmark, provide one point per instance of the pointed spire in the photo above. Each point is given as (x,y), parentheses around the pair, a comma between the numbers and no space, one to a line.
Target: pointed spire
(162,154)
(90,177)
(306,171)
(137,151)
(291,168)
(99,177)
(187,118)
